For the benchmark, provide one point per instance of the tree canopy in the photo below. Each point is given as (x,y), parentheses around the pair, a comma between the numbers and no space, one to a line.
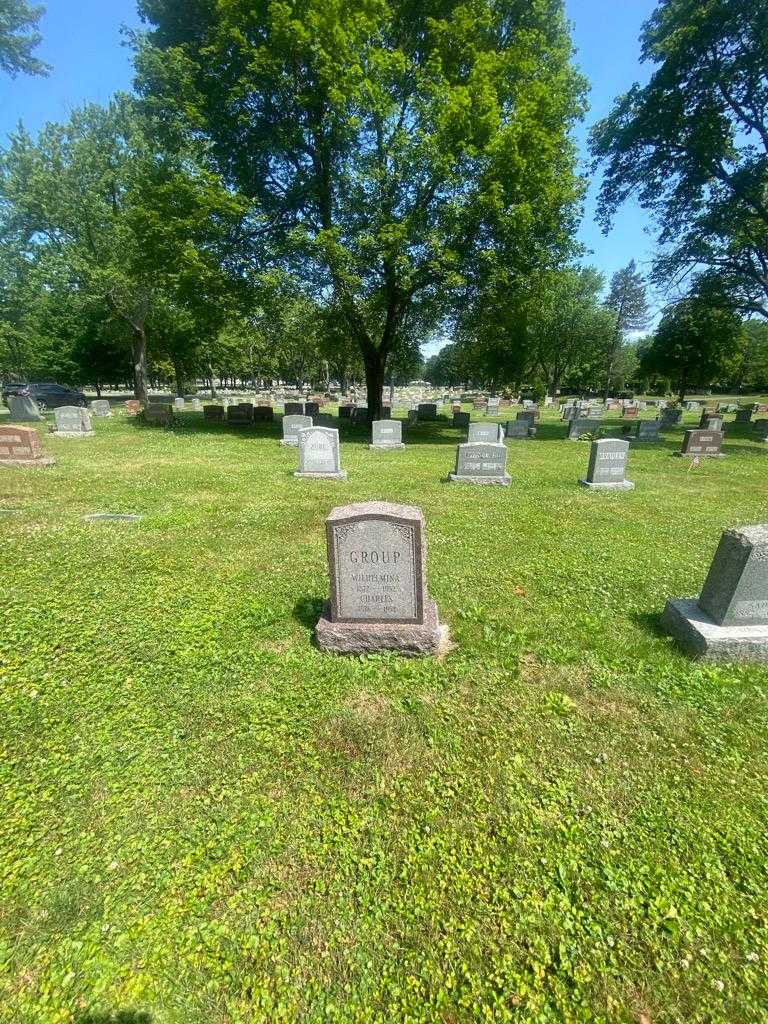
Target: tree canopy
(19,37)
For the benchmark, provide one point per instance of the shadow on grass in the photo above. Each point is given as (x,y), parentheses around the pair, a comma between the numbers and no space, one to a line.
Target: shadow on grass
(118,1017)
(307,611)
(650,622)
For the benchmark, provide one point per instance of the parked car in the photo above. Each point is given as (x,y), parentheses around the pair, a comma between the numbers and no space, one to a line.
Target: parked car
(46,395)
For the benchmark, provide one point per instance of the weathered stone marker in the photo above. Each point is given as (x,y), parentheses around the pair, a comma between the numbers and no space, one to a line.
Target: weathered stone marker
(158,415)
(21,446)
(729,621)
(213,413)
(670,417)
(101,408)
(427,411)
(460,419)
(607,466)
(263,414)
(760,428)
(519,429)
(480,462)
(702,442)
(294,409)
(491,433)
(577,427)
(319,454)
(291,427)
(23,409)
(646,430)
(744,415)
(378,573)
(386,434)
(72,421)
(132,407)
(240,414)
(179,404)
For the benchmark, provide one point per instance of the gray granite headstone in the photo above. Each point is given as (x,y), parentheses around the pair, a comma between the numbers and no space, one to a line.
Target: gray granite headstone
(647,430)
(607,465)
(197,405)
(378,588)
(670,417)
(760,428)
(577,427)
(743,415)
(311,409)
(291,427)
(709,421)
(101,408)
(72,421)
(427,411)
(460,419)
(729,620)
(519,429)
(213,413)
(319,454)
(387,434)
(179,404)
(702,442)
(23,409)
(527,416)
(490,432)
(481,462)
(294,409)
(413,417)
(158,414)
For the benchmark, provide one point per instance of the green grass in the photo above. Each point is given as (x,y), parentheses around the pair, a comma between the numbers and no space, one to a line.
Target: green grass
(205,820)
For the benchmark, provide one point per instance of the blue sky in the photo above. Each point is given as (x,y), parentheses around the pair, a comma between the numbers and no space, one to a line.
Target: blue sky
(81,39)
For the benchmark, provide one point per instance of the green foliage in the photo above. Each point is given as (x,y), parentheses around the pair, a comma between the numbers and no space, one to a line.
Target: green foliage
(398,149)
(692,144)
(695,344)
(19,37)
(205,819)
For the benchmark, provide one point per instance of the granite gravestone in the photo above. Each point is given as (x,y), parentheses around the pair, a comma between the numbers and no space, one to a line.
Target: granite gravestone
(670,417)
(72,421)
(378,588)
(178,404)
(607,466)
(240,414)
(294,409)
(345,412)
(461,419)
(263,414)
(427,411)
(519,429)
(311,408)
(23,409)
(490,432)
(760,428)
(291,427)
(578,427)
(213,413)
(387,434)
(101,408)
(360,414)
(646,430)
(21,446)
(729,621)
(319,454)
(132,407)
(709,421)
(197,405)
(702,443)
(527,416)
(743,415)
(158,415)
(481,462)
(413,417)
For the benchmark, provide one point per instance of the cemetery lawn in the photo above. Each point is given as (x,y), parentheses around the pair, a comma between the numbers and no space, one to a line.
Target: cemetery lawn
(205,820)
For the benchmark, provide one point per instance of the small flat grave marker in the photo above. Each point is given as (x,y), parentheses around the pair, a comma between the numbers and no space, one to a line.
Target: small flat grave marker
(21,446)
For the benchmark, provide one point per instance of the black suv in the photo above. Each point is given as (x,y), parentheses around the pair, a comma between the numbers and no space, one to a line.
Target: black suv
(47,396)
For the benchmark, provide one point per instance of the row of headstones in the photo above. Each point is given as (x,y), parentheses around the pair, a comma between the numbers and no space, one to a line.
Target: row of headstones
(379,599)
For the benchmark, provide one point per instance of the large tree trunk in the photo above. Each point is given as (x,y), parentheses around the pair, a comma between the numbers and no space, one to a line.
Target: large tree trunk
(178,374)
(683,388)
(375,367)
(140,364)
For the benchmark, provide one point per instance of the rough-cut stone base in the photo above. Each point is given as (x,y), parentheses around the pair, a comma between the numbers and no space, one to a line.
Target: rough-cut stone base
(614,485)
(700,636)
(385,447)
(497,481)
(342,475)
(288,442)
(73,434)
(369,637)
(46,461)
(699,455)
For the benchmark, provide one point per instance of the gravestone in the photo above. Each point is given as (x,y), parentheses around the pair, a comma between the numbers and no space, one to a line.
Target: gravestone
(670,417)
(630,412)
(72,421)
(527,416)
(386,412)
(461,419)
(320,454)
(709,421)
(702,443)
(489,432)
(311,408)
(387,434)
(743,415)
(294,409)
(241,413)
(607,466)
(360,414)
(179,404)
(492,406)
(646,430)
(23,409)
(197,405)
(213,413)
(101,408)
(291,427)
(481,462)
(578,427)
(413,417)
(729,620)
(427,411)
(379,599)
(345,412)
(760,428)
(132,407)
(21,446)
(158,414)
(263,414)
(519,429)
